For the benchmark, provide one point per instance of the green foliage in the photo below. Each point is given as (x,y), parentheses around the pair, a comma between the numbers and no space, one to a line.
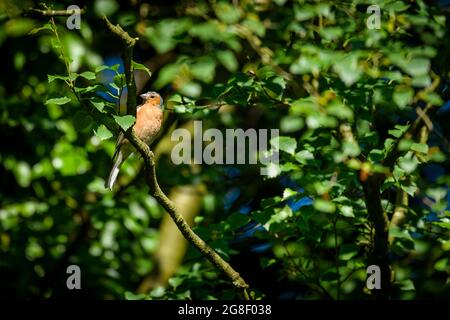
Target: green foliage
(353,105)
(124,122)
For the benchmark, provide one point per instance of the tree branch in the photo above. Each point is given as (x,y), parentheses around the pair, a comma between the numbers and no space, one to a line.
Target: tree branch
(54,13)
(149,162)
(129,44)
(401,207)
(371,188)
(379,218)
(181,223)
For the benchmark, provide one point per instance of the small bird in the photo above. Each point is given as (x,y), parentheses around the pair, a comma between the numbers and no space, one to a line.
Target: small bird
(149,117)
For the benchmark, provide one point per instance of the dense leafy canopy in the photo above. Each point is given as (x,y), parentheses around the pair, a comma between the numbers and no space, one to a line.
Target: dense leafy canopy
(363,175)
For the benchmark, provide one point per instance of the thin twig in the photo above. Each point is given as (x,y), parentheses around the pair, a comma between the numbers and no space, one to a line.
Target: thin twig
(55,13)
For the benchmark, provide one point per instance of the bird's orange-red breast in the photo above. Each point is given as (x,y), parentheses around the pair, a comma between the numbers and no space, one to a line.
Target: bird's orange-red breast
(149,117)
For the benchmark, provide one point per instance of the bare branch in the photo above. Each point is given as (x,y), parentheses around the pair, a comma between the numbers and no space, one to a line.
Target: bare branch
(54,13)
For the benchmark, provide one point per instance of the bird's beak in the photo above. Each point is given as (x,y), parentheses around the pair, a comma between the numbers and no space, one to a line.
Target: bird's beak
(144,95)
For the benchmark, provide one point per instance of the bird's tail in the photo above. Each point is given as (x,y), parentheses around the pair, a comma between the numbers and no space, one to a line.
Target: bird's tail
(114,171)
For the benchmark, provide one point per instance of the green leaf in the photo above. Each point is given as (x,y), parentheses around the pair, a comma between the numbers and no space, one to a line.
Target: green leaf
(433,98)
(274,87)
(408,163)
(89,75)
(279,216)
(441,264)
(331,33)
(56,45)
(288,193)
(436,193)
(228,60)
(405,144)
(266,262)
(125,122)
(58,101)
(346,211)
(166,33)
(348,69)
(167,74)
(445,225)
(175,281)
(409,189)
(191,89)
(262,216)
(290,124)
(101,68)
(53,77)
(119,81)
(46,26)
(406,285)
(286,144)
(139,66)
(132,296)
(303,156)
(204,69)
(180,109)
(106,8)
(397,6)
(351,148)
(176,98)
(237,220)
(324,205)
(88,89)
(103,132)
(403,96)
(340,110)
(420,147)
(115,86)
(396,232)
(376,155)
(288,166)
(227,12)
(417,66)
(99,105)
(422,80)
(398,131)
(347,251)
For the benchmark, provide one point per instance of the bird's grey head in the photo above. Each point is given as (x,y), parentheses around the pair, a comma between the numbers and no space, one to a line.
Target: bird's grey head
(153,96)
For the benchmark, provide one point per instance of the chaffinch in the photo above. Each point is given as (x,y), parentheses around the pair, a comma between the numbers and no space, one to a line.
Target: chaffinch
(149,117)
